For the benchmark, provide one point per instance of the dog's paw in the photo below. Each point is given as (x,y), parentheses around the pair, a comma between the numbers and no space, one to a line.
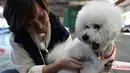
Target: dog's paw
(107,67)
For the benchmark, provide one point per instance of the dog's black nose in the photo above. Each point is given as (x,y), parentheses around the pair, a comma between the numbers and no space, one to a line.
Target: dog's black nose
(95,46)
(85,37)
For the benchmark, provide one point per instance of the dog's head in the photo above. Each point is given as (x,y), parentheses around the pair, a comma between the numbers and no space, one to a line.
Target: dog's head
(98,23)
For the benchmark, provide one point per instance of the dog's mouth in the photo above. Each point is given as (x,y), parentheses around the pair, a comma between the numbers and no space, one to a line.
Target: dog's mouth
(95,45)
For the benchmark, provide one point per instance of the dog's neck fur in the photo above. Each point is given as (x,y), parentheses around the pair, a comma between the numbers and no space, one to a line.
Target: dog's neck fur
(110,46)
(108,50)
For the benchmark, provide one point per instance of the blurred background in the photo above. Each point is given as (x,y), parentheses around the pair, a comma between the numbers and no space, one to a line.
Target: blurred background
(67,11)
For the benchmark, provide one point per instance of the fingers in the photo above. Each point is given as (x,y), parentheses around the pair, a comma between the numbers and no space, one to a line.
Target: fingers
(76,61)
(69,63)
(75,66)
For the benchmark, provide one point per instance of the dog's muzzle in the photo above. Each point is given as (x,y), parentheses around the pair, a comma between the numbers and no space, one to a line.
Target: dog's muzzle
(95,46)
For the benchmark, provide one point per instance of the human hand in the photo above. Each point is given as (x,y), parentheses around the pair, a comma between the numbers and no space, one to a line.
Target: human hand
(69,63)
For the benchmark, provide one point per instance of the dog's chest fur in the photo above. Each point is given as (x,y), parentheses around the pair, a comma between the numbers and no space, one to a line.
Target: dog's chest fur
(81,51)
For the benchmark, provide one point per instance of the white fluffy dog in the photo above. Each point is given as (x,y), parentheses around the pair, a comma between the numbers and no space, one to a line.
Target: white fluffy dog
(97,25)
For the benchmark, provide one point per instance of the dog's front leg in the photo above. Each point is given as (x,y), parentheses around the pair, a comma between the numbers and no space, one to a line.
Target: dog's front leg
(107,67)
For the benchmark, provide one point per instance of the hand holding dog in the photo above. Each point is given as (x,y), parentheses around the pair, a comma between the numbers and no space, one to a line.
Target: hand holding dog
(69,63)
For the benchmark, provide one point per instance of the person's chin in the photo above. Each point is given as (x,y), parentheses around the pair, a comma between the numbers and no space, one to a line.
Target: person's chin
(42,32)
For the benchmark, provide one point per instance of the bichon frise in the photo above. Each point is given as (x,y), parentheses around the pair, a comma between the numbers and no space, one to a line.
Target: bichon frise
(97,25)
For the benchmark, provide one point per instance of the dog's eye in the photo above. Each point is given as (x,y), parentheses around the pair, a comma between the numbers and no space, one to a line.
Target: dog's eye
(86,27)
(96,26)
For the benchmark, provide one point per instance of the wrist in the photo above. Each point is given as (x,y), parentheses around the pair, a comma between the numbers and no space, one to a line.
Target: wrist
(51,68)
(58,65)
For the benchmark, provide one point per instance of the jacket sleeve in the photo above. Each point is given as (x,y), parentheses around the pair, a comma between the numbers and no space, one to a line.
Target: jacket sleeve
(21,59)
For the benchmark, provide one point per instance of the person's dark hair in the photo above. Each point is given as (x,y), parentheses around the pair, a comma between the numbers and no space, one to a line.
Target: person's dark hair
(15,12)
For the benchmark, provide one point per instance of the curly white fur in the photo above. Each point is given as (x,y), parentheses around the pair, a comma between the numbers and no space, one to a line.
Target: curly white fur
(103,14)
